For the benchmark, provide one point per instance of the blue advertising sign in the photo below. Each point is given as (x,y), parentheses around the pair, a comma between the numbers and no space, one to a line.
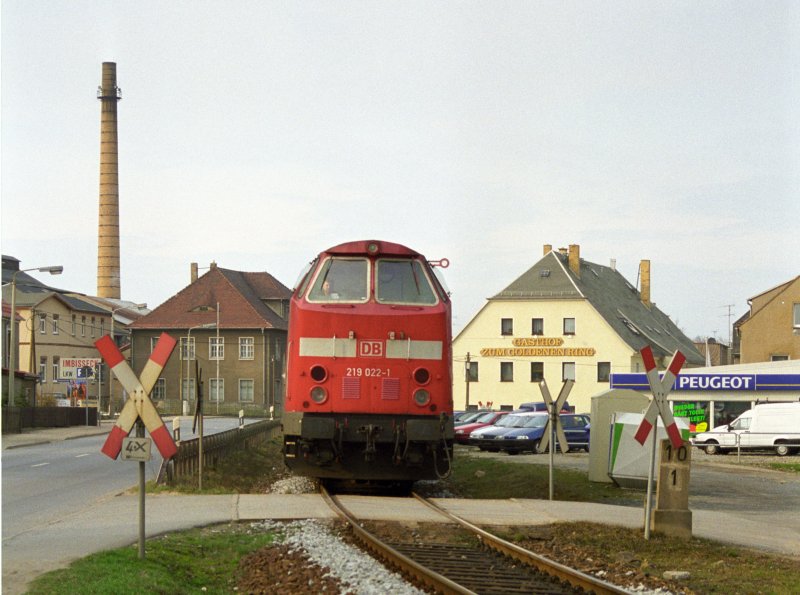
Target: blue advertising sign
(714,382)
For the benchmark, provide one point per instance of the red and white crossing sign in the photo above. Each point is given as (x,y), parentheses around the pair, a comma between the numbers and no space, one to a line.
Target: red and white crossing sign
(660,388)
(139,404)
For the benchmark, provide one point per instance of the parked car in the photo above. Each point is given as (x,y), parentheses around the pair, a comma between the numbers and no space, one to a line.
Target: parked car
(487,419)
(773,426)
(542,406)
(527,438)
(486,438)
(468,416)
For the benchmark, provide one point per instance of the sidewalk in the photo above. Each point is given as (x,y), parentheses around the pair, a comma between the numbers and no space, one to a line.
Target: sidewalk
(32,436)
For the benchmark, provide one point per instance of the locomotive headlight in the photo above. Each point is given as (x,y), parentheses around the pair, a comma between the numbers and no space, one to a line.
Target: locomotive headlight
(319,373)
(319,395)
(422,376)
(422,397)
(372,248)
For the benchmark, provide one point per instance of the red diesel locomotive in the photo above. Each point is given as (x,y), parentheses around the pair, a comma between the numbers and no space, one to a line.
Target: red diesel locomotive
(369,378)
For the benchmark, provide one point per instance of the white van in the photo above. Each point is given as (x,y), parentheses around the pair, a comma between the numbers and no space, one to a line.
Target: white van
(765,426)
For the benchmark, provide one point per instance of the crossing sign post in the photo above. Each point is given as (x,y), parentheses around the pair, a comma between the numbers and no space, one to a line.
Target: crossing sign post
(660,387)
(140,411)
(553,430)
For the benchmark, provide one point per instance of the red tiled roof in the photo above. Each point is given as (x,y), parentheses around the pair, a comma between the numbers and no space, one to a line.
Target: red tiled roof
(240,297)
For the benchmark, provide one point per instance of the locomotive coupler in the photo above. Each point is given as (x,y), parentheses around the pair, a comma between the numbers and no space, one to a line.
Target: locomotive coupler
(371,434)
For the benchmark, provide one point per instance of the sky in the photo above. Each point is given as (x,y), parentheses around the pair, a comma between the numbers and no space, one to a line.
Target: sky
(257,134)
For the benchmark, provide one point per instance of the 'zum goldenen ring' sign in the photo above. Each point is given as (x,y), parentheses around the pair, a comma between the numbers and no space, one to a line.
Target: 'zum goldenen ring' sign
(538,346)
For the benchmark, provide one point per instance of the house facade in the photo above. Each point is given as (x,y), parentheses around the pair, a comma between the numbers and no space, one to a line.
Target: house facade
(230,327)
(564,318)
(770,331)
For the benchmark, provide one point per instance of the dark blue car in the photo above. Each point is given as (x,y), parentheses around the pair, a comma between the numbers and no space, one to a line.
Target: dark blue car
(527,438)
(488,438)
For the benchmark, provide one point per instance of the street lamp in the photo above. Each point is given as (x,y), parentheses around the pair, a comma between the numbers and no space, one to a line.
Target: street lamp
(12,354)
(114,338)
(188,359)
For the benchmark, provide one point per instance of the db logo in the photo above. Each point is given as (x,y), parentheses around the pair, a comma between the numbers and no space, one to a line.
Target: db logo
(370,348)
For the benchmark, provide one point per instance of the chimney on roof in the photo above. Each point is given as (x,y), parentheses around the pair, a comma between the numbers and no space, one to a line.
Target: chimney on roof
(644,275)
(575,259)
(548,248)
(613,264)
(213,264)
(193,272)
(562,251)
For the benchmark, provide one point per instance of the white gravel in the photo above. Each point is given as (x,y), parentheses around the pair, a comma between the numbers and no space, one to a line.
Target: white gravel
(356,570)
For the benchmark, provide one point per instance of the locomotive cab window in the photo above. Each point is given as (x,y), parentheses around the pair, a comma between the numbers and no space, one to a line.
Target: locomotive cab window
(403,282)
(341,280)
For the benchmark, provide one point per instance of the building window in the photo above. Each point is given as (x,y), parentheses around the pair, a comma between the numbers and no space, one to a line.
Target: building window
(43,368)
(55,323)
(83,326)
(247,348)
(779,358)
(216,389)
(92,328)
(187,348)
(102,327)
(246,390)
(153,341)
(537,326)
(187,389)
(569,326)
(506,326)
(74,325)
(56,367)
(43,323)
(506,371)
(537,371)
(567,371)
(159,392)
(603,371)
(216,348)
(472,371)
(796,315)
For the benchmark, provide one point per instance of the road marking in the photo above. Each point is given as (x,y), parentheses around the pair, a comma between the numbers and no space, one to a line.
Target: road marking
(86,454)
(40,464)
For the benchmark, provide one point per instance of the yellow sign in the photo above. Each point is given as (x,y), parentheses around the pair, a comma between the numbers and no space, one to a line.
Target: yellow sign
(538,347)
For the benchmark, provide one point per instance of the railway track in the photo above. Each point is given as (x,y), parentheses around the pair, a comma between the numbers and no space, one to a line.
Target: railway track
(492,566)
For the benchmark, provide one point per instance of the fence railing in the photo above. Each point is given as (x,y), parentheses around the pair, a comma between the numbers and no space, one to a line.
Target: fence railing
(215,448)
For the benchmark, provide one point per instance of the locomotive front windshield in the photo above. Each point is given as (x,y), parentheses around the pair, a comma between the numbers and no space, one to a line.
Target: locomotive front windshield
(397,281)
(402,282)
(341,279)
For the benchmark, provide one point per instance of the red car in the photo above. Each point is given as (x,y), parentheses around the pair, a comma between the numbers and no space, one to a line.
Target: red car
(487,419)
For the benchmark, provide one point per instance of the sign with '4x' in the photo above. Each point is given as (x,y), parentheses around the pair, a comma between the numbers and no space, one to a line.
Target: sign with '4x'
(660,388)
(138,404)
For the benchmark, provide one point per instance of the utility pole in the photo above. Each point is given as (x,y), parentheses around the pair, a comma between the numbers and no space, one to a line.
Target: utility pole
(730,327)
(469,374)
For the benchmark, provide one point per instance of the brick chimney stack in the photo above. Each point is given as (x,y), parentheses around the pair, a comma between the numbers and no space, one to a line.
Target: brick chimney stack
(108,265)
(644,275)
(548,248)
(575,259)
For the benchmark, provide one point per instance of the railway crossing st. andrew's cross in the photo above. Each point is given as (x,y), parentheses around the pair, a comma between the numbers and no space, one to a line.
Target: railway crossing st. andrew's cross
(554,417)
(138,404)
(660,388)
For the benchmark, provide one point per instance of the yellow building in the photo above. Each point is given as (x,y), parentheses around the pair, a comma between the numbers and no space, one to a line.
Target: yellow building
(563,318)
(771,330)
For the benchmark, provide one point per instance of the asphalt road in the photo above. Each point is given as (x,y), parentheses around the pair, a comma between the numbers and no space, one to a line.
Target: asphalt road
(43,483)
(717,482)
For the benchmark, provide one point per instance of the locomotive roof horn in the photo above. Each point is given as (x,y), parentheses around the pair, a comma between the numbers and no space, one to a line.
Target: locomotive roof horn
(444,263)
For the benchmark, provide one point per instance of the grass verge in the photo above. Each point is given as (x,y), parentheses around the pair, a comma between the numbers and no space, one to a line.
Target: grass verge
(199,560)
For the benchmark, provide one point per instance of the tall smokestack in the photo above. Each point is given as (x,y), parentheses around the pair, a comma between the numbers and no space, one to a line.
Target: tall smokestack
(108,271)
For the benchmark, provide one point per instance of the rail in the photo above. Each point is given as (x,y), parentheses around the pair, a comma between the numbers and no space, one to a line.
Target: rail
(480,571)
(215,447)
